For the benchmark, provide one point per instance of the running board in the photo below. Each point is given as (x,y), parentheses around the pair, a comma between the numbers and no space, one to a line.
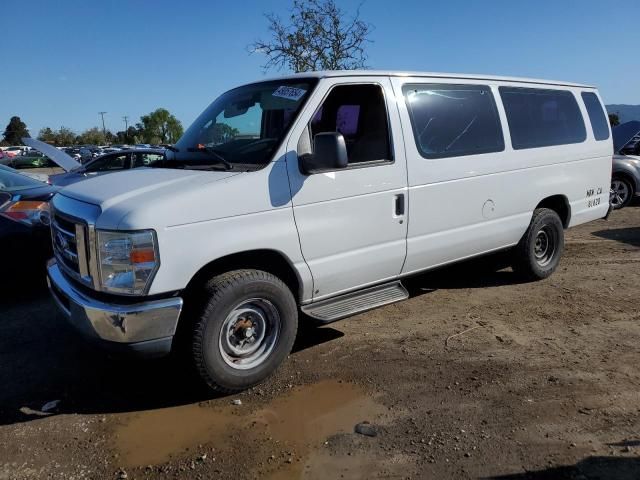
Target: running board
(356,302)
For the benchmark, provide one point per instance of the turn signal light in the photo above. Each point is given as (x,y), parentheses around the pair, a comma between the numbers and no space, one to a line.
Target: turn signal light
(142,256)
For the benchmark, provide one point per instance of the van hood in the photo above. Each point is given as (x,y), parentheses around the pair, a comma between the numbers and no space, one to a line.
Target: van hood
(141,189)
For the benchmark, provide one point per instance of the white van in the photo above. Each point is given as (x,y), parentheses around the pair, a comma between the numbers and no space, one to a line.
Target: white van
(318,193)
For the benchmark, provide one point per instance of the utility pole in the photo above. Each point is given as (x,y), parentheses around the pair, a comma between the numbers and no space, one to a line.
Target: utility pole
(126,128)
(104,130)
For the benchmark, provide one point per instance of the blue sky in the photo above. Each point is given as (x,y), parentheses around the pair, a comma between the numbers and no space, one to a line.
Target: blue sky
(64,61)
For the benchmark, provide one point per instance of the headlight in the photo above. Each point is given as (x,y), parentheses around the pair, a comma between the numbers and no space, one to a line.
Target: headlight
(30,213)
(127,261)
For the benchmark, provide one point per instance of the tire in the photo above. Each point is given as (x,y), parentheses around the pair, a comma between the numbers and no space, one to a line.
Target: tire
(538,253)
(621,192)
(245,330)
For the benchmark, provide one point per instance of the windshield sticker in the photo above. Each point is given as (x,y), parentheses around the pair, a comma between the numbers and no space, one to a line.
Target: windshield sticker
(290,93)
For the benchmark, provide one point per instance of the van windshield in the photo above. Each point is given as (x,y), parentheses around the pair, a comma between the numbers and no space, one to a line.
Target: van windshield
(242,128)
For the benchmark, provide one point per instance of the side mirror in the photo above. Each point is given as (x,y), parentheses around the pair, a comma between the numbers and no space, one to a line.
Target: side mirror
(329,153)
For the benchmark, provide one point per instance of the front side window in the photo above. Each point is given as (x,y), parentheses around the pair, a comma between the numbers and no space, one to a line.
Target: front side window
(599,121)
(107,163)
(542,118)
(359,113)
(242,128)
(453,120)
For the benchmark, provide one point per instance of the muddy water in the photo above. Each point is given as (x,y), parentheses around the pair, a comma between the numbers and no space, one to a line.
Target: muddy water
(300,420)
(314,412)
(155,436)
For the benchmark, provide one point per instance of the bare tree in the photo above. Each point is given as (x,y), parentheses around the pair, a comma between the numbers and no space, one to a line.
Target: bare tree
(319,37)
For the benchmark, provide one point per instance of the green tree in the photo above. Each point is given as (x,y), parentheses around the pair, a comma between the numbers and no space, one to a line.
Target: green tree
(160,126)
(134,134)
(15,131)
(47,135)
(65,137)
(92,136)
(318,36)
(614,119)
(221,133)
(60,138)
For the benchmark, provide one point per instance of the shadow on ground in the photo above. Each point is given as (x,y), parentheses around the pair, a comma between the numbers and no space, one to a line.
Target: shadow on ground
(630,235)
(482,272)
(592,468)
(43,359)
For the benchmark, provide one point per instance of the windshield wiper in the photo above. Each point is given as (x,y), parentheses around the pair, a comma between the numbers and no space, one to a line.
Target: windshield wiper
(214,154)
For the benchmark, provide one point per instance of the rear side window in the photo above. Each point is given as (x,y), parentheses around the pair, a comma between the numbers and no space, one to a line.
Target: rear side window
(599,122)
(542,118)
(108,162)
(453,120)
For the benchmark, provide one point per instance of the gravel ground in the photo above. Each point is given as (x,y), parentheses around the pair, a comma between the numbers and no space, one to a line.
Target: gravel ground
(475,376)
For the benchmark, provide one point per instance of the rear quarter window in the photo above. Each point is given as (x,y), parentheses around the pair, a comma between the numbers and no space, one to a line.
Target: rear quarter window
(453,120)
(542,118)
(597,117)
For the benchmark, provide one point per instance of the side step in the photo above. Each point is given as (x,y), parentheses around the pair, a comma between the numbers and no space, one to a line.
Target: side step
(356,302)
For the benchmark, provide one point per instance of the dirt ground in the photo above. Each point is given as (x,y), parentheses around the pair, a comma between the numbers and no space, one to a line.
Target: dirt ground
(475,376)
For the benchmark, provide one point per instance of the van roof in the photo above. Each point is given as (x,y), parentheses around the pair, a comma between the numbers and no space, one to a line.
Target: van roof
(398,73)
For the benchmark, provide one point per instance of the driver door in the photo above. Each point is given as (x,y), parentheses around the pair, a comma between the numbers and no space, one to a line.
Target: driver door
(351,222)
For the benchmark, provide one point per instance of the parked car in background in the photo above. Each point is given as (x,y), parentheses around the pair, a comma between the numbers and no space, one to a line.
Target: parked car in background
(109,163)
(87,154)
(31,159)
(25,239)
(15,150)
(625,177)
(73,152)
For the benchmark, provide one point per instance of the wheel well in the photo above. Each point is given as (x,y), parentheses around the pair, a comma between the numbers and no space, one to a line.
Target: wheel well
(560,205)
(267,260)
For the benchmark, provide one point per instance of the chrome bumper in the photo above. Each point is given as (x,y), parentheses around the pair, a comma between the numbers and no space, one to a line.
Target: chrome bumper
(145,328)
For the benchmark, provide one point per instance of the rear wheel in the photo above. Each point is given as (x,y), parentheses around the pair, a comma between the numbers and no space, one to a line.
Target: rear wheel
(538,253)
(621,192)
(245,330)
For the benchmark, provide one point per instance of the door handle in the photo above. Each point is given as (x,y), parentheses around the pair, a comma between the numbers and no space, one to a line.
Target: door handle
(399,205)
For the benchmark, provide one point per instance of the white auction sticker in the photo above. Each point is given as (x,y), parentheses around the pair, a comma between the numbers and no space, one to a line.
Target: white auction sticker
(290,93)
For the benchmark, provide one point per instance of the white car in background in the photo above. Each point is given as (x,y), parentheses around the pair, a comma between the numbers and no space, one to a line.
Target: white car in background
(15,150)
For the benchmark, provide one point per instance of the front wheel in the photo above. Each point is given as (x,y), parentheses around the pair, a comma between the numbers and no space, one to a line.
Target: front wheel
(538,253)
(245,331)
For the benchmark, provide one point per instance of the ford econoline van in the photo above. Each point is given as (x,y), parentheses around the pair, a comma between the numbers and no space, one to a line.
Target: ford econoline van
(318,193)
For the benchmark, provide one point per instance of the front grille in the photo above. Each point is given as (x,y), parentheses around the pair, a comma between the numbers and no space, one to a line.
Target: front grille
(69,246)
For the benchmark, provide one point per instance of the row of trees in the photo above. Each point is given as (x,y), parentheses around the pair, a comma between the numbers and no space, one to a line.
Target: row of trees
(157,127)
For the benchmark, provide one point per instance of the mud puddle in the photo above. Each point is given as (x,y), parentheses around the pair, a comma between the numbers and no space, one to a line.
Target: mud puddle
(292,426)
(156,436)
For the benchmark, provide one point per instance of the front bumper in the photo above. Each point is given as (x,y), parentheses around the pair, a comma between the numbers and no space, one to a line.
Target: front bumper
(145,328)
